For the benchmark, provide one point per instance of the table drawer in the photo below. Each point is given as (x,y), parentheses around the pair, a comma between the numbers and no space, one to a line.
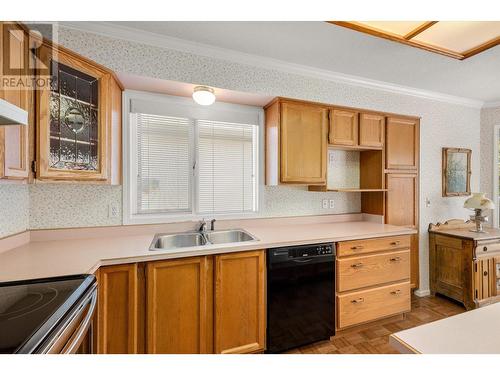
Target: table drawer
(370,270)
(487,248)
(371,304)
(371,245)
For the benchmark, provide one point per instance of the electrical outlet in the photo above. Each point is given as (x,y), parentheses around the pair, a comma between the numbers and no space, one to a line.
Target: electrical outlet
(113,211)
(331,157)
(324,203)
(331,203)
(427,202)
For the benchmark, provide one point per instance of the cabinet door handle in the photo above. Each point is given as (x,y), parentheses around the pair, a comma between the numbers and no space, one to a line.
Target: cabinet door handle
(395,243)
(395,259)
(396,292)
(485,273)
(358,300)
(485,248)
(357,247)
(357,265)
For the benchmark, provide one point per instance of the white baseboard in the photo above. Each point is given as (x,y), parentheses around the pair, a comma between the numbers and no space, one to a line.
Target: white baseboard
(422,293)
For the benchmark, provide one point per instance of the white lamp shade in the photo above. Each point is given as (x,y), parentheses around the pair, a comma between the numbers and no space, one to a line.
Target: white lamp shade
(204,95)
(479,201)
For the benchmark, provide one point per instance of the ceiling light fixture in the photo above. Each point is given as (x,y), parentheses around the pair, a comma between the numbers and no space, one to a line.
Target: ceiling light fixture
(204,95)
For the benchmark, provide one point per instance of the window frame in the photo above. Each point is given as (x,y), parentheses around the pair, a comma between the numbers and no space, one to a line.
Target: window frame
(495,196)
(129,149)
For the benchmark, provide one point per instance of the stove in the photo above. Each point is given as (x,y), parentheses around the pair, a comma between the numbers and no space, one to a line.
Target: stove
(35,315)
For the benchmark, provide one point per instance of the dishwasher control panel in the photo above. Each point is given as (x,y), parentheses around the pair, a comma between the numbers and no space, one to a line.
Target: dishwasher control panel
(310,251)
(302,251)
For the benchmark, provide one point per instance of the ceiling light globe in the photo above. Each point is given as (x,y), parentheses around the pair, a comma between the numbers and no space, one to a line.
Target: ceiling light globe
(204,95)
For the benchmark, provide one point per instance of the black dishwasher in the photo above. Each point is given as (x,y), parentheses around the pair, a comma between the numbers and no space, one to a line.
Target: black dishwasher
(300,295)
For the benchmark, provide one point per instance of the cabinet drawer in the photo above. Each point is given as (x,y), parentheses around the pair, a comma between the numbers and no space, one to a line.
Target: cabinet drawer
(487,248)
(359,307)
(372,245)
(369,270)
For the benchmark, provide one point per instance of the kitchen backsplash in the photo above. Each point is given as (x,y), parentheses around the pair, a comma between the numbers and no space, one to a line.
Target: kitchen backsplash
(67,206)
(14,209)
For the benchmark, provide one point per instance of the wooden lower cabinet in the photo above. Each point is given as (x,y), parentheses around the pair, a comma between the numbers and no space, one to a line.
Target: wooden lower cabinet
(240,302)
(464,265)
(363,271)
(373,279)
(179,304)
(118,310)
(372,245)
(371,304)
(205,304)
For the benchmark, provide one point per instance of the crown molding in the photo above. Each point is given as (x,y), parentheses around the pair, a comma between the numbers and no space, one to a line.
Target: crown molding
(130,34)
(491,104)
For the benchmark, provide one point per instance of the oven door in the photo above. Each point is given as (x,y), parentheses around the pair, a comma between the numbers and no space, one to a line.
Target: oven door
(74,335)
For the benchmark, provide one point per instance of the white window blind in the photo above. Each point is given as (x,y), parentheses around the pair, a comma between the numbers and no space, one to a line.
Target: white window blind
(164,167)
(226,175)
(185,161)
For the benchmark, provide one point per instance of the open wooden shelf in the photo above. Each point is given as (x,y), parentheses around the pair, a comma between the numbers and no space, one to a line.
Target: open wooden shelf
(344,190)
(353,148)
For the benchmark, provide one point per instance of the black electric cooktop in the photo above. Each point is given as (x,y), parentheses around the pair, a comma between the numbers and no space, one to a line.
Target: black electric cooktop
(30,309)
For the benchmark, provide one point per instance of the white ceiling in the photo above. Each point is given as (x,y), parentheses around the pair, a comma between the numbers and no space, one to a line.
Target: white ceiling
(332,48)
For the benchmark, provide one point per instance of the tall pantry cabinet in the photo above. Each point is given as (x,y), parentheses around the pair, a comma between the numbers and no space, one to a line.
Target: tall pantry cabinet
(402,180)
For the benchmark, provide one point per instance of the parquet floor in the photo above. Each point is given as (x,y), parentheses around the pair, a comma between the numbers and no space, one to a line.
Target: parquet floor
(373,338)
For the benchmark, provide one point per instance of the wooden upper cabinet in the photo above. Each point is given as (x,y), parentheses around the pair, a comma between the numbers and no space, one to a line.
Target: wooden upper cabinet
(402,199)
(296,143)
(75,115)
(118,323)
(402,144)
(240,302)
(343,127)
(179,295)
(371,130)
(14,146)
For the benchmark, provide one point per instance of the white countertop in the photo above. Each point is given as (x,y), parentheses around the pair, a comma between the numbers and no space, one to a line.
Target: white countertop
(73,256)
(472,332)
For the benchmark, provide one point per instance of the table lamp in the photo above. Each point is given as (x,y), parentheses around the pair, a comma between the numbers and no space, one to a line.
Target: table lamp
(478,202)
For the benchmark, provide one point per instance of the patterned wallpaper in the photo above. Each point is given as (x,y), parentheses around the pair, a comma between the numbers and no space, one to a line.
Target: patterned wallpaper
(490,117)
(442,125)
(14,209)
(69,206)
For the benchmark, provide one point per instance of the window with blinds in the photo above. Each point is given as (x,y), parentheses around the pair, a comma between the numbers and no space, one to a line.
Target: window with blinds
(188,161)
(163,163)
(226,176)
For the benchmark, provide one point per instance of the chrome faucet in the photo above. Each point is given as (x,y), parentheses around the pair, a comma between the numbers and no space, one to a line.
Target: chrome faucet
(203,226)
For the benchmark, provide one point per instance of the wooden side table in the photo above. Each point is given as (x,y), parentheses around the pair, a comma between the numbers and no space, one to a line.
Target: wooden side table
(464,265)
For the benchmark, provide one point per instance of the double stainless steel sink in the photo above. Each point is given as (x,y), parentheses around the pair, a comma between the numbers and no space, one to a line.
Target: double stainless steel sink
(193,239)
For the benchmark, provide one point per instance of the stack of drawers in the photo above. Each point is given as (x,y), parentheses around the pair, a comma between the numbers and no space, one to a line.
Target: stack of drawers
(373,279)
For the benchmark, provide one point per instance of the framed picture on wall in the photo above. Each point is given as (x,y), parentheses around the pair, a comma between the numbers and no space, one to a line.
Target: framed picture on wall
(456,171)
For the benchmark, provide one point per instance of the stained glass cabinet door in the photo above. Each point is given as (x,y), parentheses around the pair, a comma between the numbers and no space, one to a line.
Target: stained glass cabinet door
(73,118)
